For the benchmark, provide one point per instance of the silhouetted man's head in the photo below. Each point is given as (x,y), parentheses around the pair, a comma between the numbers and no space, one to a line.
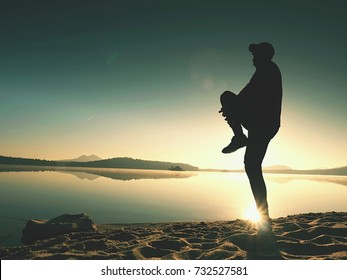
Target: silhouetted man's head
(262,53)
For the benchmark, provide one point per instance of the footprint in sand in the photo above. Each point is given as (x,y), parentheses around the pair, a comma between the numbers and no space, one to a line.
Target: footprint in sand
(175,245)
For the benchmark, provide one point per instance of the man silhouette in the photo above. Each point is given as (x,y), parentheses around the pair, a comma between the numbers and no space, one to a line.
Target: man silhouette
(258,109)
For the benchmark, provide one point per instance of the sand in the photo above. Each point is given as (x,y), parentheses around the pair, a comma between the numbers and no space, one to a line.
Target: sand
(304,236)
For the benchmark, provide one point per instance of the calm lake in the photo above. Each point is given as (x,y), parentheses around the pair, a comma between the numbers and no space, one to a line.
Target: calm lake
(143,196)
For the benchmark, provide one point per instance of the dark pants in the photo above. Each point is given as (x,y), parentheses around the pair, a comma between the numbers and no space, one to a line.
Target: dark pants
(236,114)
(255,151)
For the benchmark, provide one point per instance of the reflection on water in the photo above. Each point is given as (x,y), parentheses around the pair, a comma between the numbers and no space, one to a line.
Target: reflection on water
(93,173)
(278,178)
(111,196)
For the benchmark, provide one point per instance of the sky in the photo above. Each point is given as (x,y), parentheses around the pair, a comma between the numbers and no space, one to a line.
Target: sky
(142,79)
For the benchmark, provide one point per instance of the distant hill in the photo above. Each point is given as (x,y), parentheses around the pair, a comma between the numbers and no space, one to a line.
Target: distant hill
(276,167)
(125,162)
(122,162)
(341,171)
(27,161)
(83,158)
(282,169)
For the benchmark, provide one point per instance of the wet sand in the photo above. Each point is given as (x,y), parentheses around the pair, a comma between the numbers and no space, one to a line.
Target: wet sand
(303,236)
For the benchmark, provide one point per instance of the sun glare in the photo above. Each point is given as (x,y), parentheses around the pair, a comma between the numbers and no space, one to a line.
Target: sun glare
(252,214)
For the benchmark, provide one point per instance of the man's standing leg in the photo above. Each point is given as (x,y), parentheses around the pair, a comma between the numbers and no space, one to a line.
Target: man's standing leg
(255,152)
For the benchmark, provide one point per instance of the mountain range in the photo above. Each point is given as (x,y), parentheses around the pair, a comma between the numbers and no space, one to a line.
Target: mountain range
(83,158)
(283,169)
(130,163)
(120,162)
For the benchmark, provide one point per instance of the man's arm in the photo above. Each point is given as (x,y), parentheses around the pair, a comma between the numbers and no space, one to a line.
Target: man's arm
(251,87)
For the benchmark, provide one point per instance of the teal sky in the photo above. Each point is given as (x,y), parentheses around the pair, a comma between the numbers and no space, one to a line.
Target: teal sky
(143,78)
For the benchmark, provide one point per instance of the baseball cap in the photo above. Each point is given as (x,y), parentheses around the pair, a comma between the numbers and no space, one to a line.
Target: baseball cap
(264,48)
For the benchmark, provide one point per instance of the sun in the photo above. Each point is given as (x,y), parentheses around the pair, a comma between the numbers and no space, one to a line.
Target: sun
(252,214)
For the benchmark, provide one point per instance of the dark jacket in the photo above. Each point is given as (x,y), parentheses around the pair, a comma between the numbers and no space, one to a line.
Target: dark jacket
(262,98)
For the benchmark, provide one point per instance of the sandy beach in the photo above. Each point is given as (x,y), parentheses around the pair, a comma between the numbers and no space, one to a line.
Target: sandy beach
(304,236)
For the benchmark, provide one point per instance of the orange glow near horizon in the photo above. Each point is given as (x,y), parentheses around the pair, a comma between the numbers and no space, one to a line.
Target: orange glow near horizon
(194,140)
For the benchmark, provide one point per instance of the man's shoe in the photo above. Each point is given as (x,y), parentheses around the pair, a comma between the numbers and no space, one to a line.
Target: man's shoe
(236,143)
(264,225)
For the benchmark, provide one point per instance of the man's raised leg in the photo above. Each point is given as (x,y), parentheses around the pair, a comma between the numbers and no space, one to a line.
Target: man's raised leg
(230,111)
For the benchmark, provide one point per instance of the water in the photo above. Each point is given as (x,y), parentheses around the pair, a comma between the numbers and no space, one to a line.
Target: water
(135,196)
